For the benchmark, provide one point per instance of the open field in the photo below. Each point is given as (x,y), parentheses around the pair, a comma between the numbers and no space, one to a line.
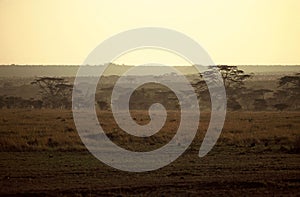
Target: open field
(257,153)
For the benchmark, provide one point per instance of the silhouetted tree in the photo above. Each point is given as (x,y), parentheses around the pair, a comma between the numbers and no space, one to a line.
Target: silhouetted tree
(261,93)
(103,105)
(232,76)
(56,92)
(36,104)
(233,104)
(260,104)
(281,106)
(290,81)
(11,102)
(289,92)
(254,99)
(2,102)
(233,79)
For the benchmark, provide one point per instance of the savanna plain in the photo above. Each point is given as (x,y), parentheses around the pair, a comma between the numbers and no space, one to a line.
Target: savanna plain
(256,154)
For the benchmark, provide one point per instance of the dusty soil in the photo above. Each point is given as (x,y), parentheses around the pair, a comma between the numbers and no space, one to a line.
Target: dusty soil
(224,171)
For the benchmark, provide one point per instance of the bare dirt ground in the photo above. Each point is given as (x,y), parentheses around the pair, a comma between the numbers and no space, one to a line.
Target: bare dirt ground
(219,173)
(256,155)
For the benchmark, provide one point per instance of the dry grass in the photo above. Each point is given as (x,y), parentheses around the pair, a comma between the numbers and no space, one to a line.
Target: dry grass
(30,130)
(36,130)
(252,156)
(261,128)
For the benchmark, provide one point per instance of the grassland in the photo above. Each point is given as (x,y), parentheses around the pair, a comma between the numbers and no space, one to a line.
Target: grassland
(47,130)
(42,154)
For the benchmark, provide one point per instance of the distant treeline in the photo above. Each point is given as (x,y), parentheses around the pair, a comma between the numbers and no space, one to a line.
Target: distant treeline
(56,92)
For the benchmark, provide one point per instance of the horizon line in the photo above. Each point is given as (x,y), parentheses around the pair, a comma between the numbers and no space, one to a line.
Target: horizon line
(135,65)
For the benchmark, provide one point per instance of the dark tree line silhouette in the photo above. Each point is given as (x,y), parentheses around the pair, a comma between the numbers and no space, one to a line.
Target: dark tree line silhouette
(54,92)
(288,93)
(57,93)
(11,102)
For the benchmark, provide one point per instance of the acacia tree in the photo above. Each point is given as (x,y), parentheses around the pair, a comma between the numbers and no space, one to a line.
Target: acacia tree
(103,105)
(281,106)
(232,76)
(2,102)
(56,92)
(289,91)
(233,79)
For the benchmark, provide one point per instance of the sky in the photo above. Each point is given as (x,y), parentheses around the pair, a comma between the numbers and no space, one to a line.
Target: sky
(235,32)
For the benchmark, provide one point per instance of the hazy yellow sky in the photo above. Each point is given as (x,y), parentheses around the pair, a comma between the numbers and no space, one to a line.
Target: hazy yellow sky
(232,31)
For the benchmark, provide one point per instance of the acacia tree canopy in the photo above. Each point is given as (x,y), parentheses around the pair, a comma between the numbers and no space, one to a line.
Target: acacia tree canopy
(289,91)
(56,92)
(233,79)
